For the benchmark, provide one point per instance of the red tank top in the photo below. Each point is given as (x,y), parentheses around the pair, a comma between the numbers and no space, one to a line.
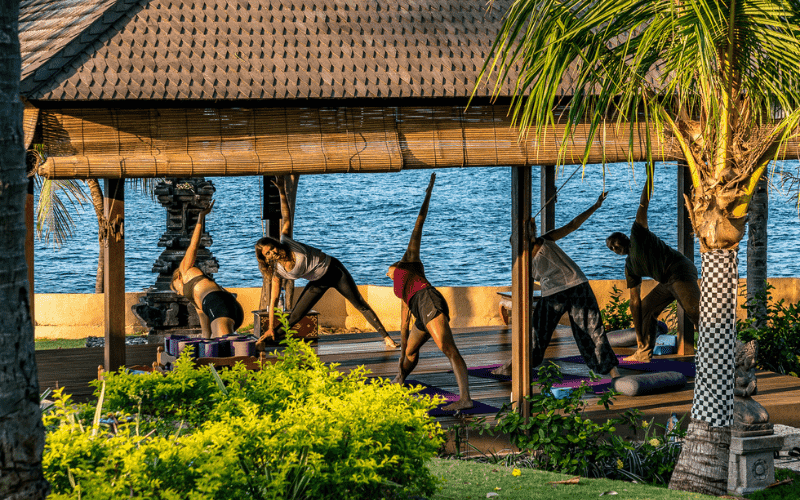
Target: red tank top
(408,280)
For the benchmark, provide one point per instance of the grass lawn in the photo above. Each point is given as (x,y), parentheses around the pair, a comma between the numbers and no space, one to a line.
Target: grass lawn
(464,480)
(42,344)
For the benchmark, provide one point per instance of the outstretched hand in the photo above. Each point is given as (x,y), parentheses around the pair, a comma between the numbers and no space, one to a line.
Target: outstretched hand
(430,184)
(208,208)
(601,198)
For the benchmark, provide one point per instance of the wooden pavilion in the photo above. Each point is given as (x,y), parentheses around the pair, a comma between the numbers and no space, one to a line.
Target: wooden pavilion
(119,89)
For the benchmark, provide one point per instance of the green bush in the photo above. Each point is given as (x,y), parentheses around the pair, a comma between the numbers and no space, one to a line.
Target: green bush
(296,429)
(559,438)
(616,314)
(778,337)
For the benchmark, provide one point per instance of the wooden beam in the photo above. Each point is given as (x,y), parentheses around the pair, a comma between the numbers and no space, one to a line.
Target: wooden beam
(547,186)
(520,288)
(686,247)
(114,285)
(29,257)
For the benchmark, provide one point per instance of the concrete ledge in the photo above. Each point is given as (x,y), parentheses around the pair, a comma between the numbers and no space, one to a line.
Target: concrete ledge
(81,315)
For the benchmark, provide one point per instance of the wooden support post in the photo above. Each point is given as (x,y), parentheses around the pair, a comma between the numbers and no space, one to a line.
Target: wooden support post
(686,247)
(521,288)
(114,283)
(29,257)
(271,209)
(547,182)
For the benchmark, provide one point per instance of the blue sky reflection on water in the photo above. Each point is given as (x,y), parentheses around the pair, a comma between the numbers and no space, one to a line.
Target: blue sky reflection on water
(365,221)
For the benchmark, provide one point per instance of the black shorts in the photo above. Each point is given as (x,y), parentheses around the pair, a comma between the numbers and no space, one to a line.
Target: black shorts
(222,304)
(426,305)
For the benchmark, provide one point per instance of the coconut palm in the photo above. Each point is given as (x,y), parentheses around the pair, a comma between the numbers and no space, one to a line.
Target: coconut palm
(720,80)
(21,429)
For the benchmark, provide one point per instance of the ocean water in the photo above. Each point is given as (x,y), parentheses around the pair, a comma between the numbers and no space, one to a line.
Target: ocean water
(365,221)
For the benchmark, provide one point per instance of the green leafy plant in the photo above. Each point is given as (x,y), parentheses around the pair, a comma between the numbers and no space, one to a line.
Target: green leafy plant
(778,337)
(558,437)
(616,314)
(297,428)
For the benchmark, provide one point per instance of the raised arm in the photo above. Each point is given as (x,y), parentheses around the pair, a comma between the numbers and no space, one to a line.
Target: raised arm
(557,234)
(412,252)
(644,202)
(191,253)
(286,210)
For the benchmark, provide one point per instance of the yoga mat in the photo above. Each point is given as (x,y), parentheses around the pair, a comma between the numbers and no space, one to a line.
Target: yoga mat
(429,390)
(568,380)
(655,365)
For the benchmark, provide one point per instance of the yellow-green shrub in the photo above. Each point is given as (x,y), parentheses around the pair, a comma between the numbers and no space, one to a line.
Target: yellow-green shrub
(296,429)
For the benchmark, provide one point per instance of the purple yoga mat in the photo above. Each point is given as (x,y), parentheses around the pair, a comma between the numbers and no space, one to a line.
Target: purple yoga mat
(429,390)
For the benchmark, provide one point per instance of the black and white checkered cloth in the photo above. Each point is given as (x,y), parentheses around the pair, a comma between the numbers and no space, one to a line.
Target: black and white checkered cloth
(715,358)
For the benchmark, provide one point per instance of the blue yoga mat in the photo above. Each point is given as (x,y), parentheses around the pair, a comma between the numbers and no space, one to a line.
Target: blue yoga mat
(655,365)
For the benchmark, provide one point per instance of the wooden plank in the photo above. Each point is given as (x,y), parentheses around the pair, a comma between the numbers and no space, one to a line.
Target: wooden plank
(520,287)
(686,247)
(114,274)
(547,198)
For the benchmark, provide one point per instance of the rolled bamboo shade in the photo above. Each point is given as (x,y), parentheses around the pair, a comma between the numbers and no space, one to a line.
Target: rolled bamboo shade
(118,143)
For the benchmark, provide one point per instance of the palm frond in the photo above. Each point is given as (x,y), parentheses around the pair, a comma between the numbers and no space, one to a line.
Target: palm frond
(57,198)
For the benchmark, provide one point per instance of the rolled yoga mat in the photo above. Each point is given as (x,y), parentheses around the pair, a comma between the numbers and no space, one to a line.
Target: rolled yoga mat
(622,338)
(649,383)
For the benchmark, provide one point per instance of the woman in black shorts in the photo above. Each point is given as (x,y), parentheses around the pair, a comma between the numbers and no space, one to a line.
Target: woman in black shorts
(432,316)
(293,260)
(218,310)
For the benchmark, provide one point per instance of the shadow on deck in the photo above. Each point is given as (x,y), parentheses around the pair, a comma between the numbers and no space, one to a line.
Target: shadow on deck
(779,394)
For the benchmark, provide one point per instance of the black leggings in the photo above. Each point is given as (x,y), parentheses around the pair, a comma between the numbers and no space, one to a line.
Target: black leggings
(338,278)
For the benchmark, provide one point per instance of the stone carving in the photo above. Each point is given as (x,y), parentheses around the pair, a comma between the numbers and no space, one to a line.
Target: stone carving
(745,375)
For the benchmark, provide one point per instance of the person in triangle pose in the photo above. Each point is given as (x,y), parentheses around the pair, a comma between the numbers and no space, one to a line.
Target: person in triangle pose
(647,255)
(429,308)
(566,289)
(293,260)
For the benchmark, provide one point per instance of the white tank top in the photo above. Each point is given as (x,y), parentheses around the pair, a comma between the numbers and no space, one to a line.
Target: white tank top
(554,270)
(309,263)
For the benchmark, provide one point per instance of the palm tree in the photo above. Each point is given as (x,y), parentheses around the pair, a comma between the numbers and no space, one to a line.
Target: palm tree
(21,429)
(718,78)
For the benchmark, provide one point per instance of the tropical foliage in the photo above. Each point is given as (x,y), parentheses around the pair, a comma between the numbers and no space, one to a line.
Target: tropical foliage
(718,78)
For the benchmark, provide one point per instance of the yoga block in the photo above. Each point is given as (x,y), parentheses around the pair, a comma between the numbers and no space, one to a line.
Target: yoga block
(666,344)
(649,383)
(622,338)
(307,327)
(561,392)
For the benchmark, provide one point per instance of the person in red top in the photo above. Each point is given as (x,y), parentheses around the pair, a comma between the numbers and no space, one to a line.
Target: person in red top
(423,301)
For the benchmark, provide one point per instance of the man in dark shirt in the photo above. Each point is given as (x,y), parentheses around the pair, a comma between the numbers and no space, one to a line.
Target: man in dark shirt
(676,275)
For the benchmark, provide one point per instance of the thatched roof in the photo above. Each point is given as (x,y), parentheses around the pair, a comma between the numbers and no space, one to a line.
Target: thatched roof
(122,50)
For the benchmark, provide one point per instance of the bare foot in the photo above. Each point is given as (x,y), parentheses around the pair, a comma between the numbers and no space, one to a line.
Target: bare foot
(504,371)
(390,343)
(398,380)
(461,404)
(637,357)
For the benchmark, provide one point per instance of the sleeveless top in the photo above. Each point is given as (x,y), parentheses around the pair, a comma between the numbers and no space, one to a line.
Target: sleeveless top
(554,270)
(408,279)
(188,287)
(309,263)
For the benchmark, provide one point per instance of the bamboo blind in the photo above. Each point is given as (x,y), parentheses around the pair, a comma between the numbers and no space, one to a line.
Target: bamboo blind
(118,143)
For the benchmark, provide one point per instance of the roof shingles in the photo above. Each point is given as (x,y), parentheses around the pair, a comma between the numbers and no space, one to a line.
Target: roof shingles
(254,49)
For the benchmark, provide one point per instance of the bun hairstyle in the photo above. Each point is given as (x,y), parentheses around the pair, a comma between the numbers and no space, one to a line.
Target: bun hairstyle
(282,248)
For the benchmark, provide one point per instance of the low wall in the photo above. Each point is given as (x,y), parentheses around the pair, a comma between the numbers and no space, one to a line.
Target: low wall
(81,315)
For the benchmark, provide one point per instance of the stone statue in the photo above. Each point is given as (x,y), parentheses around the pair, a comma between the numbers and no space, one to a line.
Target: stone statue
(745,374)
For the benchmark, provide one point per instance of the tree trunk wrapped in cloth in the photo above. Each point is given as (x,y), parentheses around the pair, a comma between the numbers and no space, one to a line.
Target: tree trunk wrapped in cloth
(717,79)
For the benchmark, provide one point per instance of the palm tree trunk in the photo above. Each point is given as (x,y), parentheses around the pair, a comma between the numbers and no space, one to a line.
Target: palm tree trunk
(102,230)
(757,216)
(21,429)
(703,464)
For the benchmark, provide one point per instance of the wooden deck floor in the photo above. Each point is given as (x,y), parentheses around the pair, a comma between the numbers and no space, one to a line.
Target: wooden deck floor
(74,368)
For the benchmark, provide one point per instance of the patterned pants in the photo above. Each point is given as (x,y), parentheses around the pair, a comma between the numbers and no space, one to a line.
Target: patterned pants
(587,327)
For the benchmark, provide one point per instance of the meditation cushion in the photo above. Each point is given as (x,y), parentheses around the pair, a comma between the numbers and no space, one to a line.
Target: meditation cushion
(649,383)
(622,338)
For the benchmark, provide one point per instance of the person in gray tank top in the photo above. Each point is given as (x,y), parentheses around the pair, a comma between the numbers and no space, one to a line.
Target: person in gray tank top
(292,260)
(565,288)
